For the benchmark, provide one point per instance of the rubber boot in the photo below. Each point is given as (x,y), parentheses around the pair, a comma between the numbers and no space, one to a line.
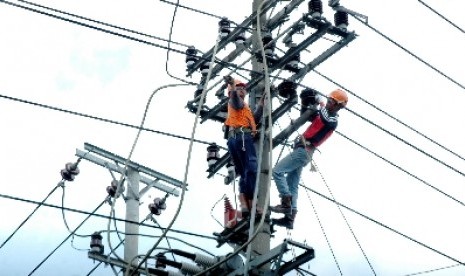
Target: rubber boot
(285,206)
(286,221)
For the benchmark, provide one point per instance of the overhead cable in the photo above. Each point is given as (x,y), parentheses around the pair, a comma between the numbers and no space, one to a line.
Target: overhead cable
(442,16)
(402,169)
(70,234)
(101,216)
(386,227)
(186,171)
(345,220)
(410,53)
(92,27)
(433,270)
(389,115)
(105,24)
(32,213)
(406,142)
(101,119)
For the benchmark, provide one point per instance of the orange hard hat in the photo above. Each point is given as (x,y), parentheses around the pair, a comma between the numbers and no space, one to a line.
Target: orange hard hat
(340,96)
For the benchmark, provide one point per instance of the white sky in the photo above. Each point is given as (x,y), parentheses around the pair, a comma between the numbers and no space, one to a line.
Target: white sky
(60,64)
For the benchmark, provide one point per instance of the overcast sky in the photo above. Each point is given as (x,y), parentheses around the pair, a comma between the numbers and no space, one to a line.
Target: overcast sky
(403,172)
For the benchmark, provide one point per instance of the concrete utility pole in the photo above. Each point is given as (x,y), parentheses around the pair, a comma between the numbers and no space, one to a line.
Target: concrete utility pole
(261,244)
(131,246)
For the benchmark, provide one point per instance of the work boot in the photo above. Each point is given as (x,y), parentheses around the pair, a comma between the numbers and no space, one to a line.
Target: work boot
(286,221)
(285,206)
(245,208)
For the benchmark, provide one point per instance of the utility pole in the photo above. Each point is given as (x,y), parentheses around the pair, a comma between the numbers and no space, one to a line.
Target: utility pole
(131,247)
(261,244)
(132,172)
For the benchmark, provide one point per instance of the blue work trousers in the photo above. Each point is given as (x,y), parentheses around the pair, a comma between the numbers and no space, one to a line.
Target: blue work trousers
(242,150)
(287,172)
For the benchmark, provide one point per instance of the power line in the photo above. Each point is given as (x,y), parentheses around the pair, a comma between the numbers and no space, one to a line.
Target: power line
(92,27)
(402,169)
(324,232)
(346,221)
(101,119)
(32,213)
(70,234)
(191,9)
(410,53)
(385,226)
(433,270)
(389,115)
(442,16)
(407,143)
(102,216)
(104,24)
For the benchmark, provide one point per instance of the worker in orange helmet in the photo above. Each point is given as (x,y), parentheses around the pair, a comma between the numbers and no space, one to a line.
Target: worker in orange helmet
(241,129)
(287,171)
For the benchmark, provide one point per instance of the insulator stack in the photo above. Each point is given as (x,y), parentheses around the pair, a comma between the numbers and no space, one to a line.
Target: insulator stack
(198,91)
(287,89)
(111,190)
(240,38)
(213,154)
(70,171)
(308,97)
(159,260)
(231,173)
(191,56)
(268,44)
(96,245)
(157,206)
(315,8)
(295,59)
(341,20)
(204,68)
(224,27)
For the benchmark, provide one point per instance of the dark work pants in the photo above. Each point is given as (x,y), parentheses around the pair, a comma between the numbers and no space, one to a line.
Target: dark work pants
(242,150)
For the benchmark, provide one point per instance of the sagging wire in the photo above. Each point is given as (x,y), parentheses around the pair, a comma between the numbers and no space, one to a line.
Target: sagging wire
(169,44)
(66,223)
(71,234)
(409,52)
(202,99)
(213,207)
(442,16)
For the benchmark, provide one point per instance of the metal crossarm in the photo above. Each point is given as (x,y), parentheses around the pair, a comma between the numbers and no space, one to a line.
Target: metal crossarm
(134,165)
(239,29)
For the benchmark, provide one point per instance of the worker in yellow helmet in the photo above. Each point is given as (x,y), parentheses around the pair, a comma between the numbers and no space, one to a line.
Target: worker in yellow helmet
(287,172)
